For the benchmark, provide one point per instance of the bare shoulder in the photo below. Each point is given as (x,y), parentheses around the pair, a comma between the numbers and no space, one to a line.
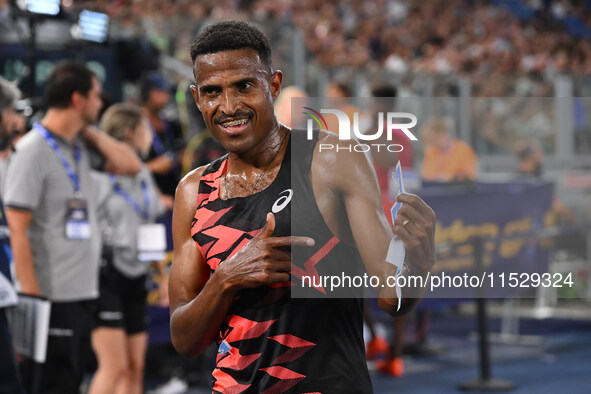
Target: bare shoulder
(325,158)
(190,182)
(339,161)
(187,194)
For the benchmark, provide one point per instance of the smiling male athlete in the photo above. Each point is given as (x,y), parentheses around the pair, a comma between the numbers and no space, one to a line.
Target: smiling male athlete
(232,226)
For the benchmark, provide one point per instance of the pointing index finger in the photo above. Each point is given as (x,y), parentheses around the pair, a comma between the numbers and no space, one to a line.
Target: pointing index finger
(292,241)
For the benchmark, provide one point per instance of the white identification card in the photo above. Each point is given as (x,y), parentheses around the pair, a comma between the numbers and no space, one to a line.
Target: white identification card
(151,242)
(396,252)
(77,225)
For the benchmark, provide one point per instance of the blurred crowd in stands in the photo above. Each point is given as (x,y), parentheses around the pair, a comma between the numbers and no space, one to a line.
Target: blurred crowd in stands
(479,39)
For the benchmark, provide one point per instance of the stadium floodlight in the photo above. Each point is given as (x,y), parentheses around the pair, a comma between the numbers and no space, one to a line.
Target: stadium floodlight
(42,7)
(91,26)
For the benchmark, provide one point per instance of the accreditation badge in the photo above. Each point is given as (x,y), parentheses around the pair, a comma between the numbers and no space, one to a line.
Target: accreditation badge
(77,225)
(151,242)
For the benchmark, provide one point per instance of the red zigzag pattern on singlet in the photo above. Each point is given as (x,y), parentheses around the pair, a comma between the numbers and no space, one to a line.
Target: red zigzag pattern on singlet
(241,328)
(310,264)
(298,347)
(226,384)
(288,378)
(224,236)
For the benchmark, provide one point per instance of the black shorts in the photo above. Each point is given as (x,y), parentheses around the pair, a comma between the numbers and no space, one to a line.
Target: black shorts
(9,375)
(122,301)
(68,350)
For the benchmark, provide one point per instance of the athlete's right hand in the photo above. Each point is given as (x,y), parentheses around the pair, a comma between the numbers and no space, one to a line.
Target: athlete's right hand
(264,260)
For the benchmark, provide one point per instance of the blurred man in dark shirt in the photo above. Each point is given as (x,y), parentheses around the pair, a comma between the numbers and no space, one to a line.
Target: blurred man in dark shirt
(163,159)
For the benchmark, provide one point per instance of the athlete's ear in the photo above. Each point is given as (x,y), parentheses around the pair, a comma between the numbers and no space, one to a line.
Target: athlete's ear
(195,94)
(275,85)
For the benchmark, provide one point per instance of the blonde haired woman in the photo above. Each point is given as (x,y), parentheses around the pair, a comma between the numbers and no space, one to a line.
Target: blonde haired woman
(125,203)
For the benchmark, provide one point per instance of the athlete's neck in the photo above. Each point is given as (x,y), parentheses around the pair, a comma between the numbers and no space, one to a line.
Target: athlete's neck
(250,175)
(266,155)
(65,123)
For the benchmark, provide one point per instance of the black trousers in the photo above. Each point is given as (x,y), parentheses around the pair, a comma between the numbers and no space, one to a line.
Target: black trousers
(68,350)
(9,376)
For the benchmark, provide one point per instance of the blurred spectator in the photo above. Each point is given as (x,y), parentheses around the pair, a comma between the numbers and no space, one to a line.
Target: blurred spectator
(51,212)
(338,94)
(283,106)
(20,128)
(9,375)
(163,158)
(202,149)
(384,98)
(125,203)
(446,159)
(10,123)
(530,155)
(193,117)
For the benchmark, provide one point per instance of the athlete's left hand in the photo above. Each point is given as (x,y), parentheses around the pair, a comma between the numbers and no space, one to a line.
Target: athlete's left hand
(415,226)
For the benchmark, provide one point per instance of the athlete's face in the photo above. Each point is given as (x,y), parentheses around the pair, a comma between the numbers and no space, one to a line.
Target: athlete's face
(235,91)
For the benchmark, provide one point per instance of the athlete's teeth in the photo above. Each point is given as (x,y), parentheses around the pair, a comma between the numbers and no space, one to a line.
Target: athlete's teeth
(234,123)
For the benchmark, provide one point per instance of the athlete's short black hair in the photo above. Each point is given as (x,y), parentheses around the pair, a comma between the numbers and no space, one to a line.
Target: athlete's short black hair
(384,91)
(66,78)
(230,35)
(384,96)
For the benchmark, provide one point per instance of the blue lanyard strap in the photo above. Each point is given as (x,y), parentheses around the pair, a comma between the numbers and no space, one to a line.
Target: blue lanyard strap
(53,144)
(143,212)
(157,144)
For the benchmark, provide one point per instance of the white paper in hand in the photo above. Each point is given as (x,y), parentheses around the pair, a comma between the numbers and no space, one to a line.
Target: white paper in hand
(396,251)
(399,187)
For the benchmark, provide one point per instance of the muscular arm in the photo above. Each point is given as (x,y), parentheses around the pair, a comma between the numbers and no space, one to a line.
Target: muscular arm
(199,302)
(18,222)
(349,181)
(120,158)
(198,306)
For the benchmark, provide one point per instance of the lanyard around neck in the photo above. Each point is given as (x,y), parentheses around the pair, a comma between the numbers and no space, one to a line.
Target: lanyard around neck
(143,212)
(72,174)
